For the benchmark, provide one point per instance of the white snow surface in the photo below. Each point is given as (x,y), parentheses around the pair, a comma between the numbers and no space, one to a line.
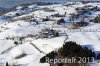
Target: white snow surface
(9,51)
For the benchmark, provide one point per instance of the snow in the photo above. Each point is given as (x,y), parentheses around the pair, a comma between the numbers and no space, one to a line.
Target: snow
(33,6)
(5,44)
(35,48)
(90,38)
(48,45)
(19,7)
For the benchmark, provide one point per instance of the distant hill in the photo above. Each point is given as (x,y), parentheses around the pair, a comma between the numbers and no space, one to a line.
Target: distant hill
(12,3)
(6,10)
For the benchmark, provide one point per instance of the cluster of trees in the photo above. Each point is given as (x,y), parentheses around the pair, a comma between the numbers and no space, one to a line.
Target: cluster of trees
(51,55)
(55,33)
(49,9)
(17,40)
(87,9)
(46,19)
(74,16)
(58,15)
(44,3)
(82,11)
(98,56)
(60,21)
(97,19)
(70,49)
(80,24)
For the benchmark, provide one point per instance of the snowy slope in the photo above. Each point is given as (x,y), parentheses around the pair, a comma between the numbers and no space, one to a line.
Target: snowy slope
(34,48)
(12,3)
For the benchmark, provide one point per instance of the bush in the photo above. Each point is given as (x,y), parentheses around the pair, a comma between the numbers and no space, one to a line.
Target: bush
(17,14)
(49,9)
(74,16)
(43,59)
(16,43)
(56,34)
(97,19)
(79,24)
(58,15)
(46,19)
(60,21)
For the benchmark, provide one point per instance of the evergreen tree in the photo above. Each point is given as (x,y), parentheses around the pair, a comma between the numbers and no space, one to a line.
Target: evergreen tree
(7,64)
(60,21)
(71,49)
(16,43)
(98,56)
(43,59)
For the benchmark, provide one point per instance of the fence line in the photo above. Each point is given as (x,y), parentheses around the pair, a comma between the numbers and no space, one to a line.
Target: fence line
(83,30)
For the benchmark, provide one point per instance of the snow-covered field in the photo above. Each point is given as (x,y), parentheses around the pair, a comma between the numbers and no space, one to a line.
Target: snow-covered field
(34,48)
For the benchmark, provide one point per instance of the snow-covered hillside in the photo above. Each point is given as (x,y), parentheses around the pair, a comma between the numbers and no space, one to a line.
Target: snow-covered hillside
(12,3)
(25,34)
